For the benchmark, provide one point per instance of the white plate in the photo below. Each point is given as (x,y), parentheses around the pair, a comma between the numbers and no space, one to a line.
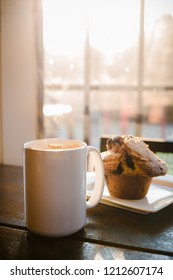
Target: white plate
(160,195)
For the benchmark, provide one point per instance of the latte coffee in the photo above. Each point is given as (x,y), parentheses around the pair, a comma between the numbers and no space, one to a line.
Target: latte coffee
(54,144)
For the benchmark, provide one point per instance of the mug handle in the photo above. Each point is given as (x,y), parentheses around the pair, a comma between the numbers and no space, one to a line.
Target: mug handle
(99,179)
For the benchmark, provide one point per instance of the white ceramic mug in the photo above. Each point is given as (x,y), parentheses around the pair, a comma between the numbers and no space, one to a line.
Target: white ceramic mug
(55,185)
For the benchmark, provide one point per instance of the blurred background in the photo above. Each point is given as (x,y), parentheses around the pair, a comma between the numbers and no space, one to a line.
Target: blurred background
(83,69)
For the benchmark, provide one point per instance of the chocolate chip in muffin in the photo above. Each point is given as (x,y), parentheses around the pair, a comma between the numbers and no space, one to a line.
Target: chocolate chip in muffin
(129,161)
(119,169)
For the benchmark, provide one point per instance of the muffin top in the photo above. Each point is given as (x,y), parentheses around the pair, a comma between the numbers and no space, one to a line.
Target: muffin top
(131,156)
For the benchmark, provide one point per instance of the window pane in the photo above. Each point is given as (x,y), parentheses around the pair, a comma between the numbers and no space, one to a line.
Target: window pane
(63,36)
(158,114)
(114,31)
(92,55)
(159,42)
(112,112)
(64,114)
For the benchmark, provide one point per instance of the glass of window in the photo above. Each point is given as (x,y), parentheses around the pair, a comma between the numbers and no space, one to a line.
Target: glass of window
(158,54)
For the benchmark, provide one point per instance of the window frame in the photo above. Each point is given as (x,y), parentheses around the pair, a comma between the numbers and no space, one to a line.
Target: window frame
(87,87)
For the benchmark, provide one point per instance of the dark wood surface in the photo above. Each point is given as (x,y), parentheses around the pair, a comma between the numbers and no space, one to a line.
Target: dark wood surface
(110,233)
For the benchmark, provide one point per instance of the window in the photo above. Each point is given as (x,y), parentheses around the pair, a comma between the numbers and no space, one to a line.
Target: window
(108,68)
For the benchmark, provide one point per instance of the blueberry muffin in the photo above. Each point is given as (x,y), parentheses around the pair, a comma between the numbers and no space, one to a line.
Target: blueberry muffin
(130,166)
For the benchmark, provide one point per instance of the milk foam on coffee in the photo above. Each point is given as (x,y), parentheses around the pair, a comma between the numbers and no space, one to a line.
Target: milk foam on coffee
(54,144)
(60,146)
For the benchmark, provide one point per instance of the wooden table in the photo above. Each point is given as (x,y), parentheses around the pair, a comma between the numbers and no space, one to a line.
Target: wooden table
(110,233)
